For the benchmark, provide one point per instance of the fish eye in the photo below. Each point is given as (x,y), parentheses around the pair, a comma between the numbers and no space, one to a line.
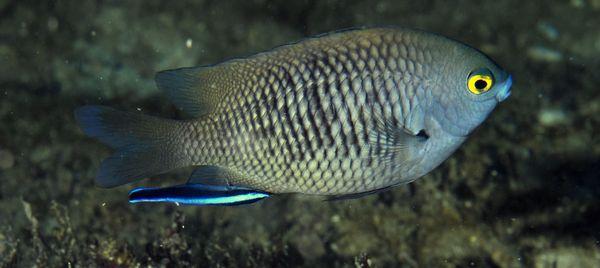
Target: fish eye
(480,81)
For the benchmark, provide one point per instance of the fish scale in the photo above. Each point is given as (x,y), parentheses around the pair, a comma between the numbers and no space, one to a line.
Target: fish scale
(318,96)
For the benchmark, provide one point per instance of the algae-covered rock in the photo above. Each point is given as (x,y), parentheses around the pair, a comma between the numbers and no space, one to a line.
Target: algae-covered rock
(568,257)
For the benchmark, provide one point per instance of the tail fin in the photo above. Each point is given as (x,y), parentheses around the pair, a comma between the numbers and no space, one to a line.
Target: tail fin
(145,145)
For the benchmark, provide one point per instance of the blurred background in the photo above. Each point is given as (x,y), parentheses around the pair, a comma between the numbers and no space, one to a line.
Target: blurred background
(523,191)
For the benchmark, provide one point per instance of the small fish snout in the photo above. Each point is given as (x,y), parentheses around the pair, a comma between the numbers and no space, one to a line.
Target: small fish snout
(504,91)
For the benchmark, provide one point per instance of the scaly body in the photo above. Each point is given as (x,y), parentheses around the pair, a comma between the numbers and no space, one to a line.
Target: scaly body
(342,114)
(303,120)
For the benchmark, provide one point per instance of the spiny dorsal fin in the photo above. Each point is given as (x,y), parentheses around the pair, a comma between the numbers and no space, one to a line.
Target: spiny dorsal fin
(196,91)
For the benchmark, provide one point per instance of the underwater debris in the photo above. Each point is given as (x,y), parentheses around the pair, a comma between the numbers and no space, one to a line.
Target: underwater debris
(544,54)
(36,241)
(110,253)
(8,249)
(567,257)
(172,247)
(7,160)
(548,30)
(549,117)
(362,261)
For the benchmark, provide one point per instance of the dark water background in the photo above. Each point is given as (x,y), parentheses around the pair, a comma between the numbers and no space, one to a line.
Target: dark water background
(522,192)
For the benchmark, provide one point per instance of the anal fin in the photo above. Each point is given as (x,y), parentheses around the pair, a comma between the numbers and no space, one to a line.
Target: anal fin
(358,195)
(210,175)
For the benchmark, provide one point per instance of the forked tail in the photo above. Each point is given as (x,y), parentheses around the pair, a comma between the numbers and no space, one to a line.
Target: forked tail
(145,145)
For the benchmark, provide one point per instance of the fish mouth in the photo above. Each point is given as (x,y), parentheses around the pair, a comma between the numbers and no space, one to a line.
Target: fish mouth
(504,91)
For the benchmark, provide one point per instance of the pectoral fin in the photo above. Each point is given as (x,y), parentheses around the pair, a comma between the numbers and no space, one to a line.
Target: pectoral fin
(392,139)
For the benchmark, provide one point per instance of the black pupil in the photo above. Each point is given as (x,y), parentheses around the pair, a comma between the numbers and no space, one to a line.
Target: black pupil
(480,84)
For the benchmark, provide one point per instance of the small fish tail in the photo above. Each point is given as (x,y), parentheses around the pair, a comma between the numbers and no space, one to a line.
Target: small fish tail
(145,145)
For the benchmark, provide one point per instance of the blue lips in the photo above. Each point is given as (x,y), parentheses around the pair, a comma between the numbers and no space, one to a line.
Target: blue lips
(504,91)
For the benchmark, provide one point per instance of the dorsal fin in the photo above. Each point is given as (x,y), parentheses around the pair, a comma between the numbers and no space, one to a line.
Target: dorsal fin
(196,91)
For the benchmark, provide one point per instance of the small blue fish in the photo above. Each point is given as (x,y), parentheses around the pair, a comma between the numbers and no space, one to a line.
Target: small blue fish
(198,195)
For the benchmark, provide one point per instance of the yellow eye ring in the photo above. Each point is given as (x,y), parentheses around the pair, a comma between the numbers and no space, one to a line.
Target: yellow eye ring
(480,83)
